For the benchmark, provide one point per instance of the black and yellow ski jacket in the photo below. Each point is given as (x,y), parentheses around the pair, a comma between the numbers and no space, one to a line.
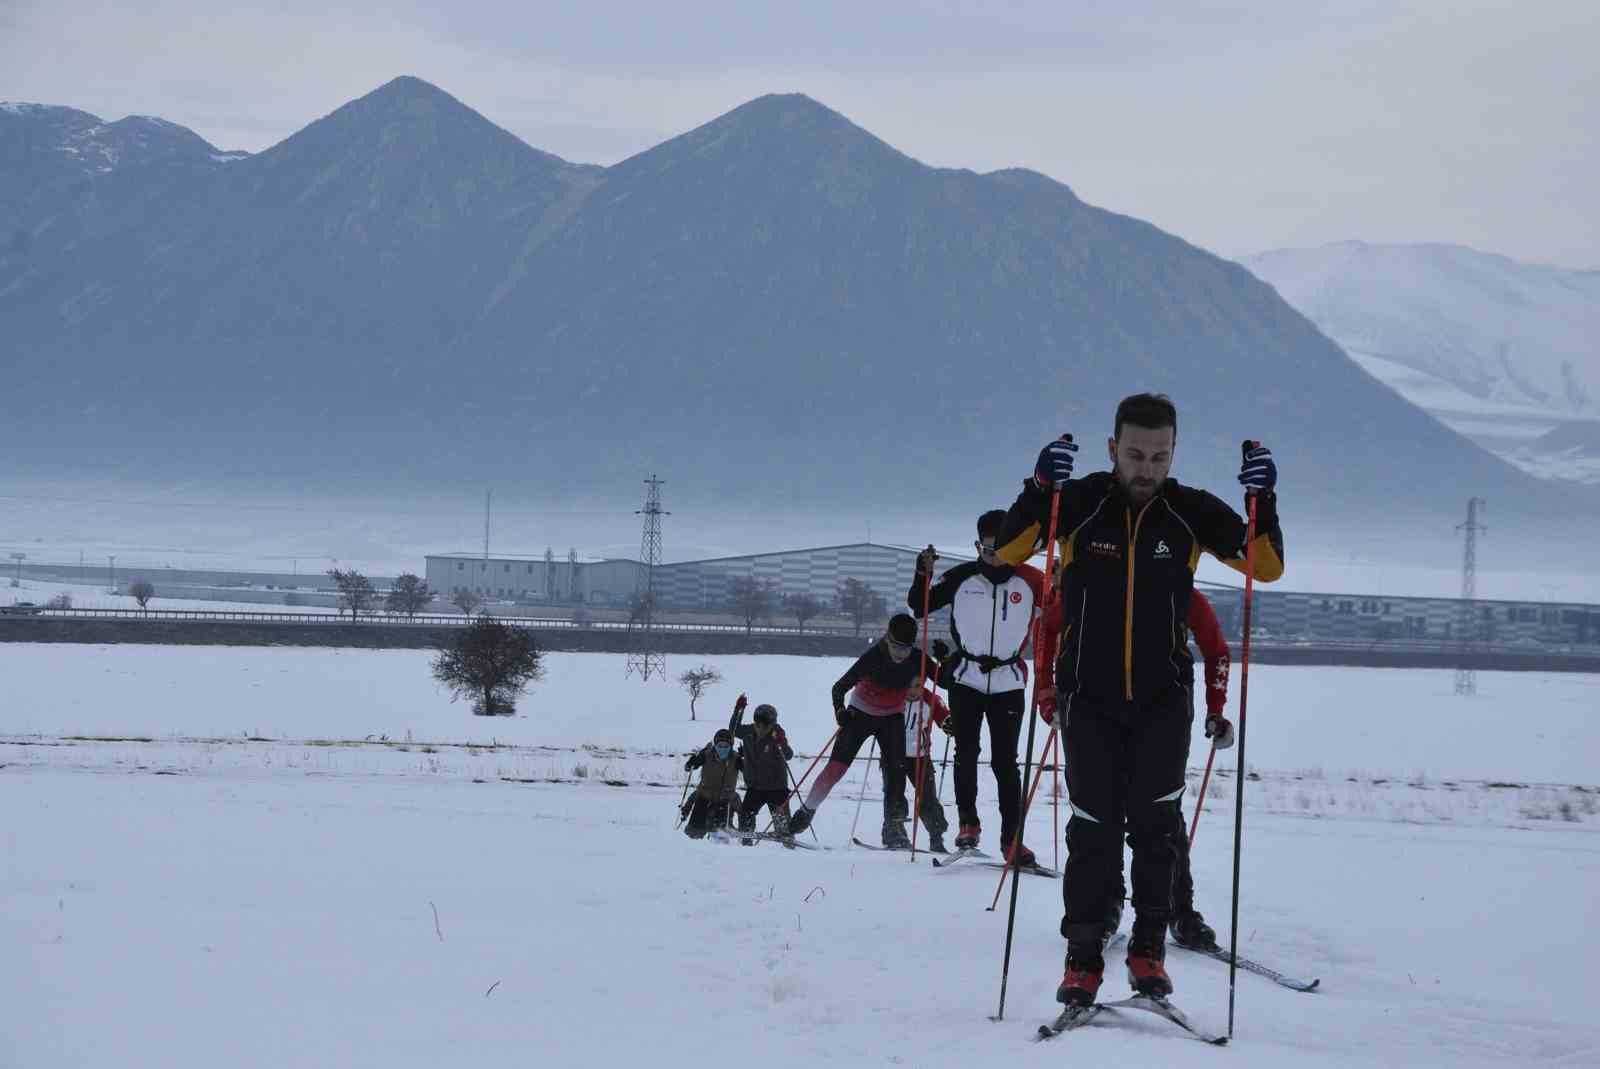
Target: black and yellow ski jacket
(1127,574)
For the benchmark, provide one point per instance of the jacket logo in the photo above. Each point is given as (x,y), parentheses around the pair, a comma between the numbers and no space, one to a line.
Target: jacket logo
(1162,552)
(1106,549)
(1016,597)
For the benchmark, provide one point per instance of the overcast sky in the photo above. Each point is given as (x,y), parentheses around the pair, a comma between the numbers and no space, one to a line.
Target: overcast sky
(1238,126)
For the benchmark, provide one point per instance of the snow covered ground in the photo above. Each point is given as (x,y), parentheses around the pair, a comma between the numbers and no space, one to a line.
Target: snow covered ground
(261,884)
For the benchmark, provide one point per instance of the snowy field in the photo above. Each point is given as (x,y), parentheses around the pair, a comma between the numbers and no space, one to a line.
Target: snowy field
(306,857)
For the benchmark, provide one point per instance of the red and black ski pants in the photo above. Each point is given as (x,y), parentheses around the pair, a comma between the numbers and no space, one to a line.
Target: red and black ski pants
(1004,711)
(1126,763)
(890,731)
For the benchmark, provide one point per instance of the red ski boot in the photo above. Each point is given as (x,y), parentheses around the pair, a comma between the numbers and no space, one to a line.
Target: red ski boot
(1081,983)
(1147,970)
(1024,857)
(967,837)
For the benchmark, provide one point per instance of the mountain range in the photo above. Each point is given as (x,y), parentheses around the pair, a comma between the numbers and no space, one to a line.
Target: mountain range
(776,311)
(1504,352)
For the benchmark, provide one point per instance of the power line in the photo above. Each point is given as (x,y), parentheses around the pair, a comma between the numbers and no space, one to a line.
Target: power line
(1471,618)
(645,657)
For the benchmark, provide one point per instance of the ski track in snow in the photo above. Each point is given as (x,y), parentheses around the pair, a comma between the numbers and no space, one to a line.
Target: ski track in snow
(201,898)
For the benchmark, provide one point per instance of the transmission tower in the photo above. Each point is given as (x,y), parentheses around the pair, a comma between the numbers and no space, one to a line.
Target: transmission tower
(645,658)
(1471,624)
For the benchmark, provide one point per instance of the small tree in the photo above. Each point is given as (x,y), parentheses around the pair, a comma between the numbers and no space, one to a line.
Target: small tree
(805,608)
(356,592)
(860,602)
(142,591)
(60,601)
(640,607)
(697,681)
(750,598)
(466,600)
(491,662)
(409,595)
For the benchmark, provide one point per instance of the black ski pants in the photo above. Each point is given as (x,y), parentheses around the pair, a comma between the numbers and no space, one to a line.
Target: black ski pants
(931,812)
(1182,874)
(777,802)
(1126,763)
(890,731)
(1004,712)
(708,814)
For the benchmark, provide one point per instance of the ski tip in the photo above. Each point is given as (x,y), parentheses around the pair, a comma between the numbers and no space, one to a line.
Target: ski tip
(1217,1041)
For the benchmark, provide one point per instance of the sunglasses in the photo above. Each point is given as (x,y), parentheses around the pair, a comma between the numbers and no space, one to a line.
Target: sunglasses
(984,547)
(896,644)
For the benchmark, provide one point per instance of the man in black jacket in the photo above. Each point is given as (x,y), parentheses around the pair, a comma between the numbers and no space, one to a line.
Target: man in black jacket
(1130,540)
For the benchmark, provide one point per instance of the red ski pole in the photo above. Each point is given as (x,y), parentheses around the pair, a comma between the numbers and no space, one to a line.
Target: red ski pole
(826,747)
(1201,800)
(1239,774)
(1049,744)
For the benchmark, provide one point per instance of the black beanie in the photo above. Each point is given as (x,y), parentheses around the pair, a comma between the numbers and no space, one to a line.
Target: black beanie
(902,628)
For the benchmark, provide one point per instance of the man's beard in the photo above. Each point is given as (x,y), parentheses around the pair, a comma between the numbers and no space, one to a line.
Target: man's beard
(1141,489)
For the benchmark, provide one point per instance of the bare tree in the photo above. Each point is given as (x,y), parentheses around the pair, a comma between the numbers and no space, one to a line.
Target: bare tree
(142,591)
(640,607)
(697,681)
(751,599)
(355,591)
(467,601)
(860,602)
(491,662)
(805,609)
(409,595)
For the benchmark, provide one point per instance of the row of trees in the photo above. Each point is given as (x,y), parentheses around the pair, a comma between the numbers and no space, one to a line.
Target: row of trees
(752,600)
(755,601)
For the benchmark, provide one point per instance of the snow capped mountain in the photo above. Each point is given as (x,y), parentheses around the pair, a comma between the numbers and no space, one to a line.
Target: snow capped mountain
(1502,351)
(90,145)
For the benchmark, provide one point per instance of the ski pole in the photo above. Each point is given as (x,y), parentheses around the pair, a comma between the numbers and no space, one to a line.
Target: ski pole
(944,766)
(1011,920)
(1201,799)
(1244,697)
(687,780)
(866,773)
(826,747)
(796,787)
(1055,804)
(1010,866)
(922,714)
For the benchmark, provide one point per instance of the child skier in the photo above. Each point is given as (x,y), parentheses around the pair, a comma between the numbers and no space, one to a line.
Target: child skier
(924,708)
(717,793)
(869,702)
(765,759)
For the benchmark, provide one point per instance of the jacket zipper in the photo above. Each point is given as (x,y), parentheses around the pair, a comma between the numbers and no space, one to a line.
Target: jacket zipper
(1132,526)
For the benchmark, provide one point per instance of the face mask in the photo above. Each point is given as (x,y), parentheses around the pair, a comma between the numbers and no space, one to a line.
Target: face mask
(723,751)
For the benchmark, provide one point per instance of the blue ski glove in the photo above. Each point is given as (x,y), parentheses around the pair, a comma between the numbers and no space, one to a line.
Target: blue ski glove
(1055,463)
(1258,472)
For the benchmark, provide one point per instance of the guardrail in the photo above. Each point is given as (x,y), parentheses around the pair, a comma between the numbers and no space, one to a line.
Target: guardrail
(1572,653)
(419,620)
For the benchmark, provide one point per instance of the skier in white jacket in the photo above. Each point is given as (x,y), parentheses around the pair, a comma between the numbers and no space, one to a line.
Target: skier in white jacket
(992,608)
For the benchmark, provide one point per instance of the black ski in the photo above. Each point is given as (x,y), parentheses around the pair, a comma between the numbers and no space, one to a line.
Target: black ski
(1292,983)
(893,849)
(1077,1016)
